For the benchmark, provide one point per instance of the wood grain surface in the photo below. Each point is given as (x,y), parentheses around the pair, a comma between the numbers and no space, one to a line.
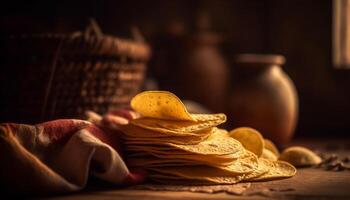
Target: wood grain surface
(309,183)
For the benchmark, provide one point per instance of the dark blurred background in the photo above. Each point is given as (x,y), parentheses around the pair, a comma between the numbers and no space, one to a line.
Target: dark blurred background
(301,30)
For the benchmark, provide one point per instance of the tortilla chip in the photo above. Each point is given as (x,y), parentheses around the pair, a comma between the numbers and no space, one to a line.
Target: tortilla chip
(300,156)
(195,158)
(152,161)
(131,131)
(209,117)
(268,144)
(160,105)
(244,164)
(267,154)
(201,173)
(215,144)
(175,180)
(276,170)
(174,140)
(263,168)
(250,138)
(178,127)
(191,139)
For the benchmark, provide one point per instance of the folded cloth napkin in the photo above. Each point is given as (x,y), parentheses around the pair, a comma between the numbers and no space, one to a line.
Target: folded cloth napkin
(58,156)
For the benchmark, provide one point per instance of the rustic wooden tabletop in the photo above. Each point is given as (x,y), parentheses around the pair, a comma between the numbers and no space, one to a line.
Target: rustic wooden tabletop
(309,183)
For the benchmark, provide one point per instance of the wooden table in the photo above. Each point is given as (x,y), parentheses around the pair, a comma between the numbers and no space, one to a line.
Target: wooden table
(309,183)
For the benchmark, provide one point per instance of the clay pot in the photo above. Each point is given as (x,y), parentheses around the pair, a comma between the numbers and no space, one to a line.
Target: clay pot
(264,97)
(203,73)
(191,65)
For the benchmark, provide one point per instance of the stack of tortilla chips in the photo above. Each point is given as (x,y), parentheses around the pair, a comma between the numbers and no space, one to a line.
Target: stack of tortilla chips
(177,147)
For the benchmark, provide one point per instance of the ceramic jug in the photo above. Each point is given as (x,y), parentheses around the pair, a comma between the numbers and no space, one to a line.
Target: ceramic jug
(263,97)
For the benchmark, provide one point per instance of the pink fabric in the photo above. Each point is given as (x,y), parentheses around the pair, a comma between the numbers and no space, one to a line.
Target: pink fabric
(58,156)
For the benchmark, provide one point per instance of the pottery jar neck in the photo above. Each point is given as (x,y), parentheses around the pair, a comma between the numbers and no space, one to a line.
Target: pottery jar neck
(253,71)
(253,65)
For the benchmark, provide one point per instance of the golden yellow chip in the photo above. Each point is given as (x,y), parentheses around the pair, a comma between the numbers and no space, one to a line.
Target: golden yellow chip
(152,159)
(166,151)
(214,145)
(267,154)
(247,163)
(131,131)
(244,164)
(217,143)
(172,139)
(300,156)
(176,180)
(223,131)
(178,127)
(163,151)
(263,168)
(276,170)
(209,117)
(194,159)
(160,105)
(156,139)
(250,138)
(204,173)
(272,147)
(136,152)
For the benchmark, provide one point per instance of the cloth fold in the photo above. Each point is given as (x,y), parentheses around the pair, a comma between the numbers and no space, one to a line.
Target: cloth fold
(58,156)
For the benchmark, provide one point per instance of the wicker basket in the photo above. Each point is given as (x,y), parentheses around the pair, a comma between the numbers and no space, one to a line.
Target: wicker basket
(52,76)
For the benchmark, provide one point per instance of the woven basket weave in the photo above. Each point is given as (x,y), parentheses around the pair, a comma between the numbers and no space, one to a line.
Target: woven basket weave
(52,76)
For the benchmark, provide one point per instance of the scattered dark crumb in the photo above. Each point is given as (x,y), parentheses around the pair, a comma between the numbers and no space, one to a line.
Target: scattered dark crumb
(333,163)
(346,159)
